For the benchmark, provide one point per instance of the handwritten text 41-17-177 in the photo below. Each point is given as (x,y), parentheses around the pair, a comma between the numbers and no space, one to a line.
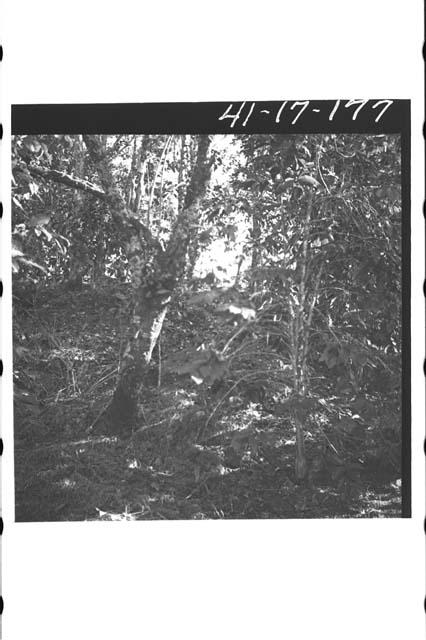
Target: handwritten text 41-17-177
(296,109)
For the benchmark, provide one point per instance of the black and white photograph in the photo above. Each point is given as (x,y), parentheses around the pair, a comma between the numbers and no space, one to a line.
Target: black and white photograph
(209,326)
(212,399)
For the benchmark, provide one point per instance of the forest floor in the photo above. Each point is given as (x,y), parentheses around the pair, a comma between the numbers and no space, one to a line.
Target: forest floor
(186,461)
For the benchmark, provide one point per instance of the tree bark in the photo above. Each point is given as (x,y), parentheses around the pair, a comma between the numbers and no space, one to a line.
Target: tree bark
(78,250)
(62,178)
(140,179)
(155,272)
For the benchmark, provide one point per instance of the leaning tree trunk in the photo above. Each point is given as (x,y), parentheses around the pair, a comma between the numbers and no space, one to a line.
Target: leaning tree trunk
(155,273)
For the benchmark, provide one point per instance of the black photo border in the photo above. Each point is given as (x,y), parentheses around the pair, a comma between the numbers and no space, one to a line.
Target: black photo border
(290,116)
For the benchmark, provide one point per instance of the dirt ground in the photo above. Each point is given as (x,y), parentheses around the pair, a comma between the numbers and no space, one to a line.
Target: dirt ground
(241,465)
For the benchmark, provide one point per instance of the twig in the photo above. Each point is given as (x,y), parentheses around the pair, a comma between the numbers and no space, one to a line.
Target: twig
(320,172)
(98,416)
(149,426)
(159,362)
(237,333)
(102,379)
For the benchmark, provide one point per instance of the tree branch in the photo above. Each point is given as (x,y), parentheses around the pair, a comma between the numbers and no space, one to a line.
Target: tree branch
(110,194)
(63,178)
(177,246)
(118,207)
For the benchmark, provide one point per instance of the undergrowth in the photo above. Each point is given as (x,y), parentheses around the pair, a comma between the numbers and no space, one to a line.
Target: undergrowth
(219,451)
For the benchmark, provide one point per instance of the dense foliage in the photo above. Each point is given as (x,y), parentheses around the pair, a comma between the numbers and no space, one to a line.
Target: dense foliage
(272,387)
